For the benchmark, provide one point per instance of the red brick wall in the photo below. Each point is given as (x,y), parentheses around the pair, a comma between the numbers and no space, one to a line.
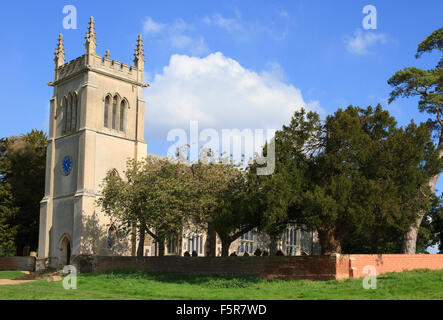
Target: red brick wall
(17,263)
(301,267)
(392,262)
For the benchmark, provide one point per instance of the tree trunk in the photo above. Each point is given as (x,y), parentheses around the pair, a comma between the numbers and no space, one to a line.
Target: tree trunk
(211,241)
(133,240)
(141,243)
(328,240)
(273,246)
(225,247)
(161,248)
(374,244)
(409,245)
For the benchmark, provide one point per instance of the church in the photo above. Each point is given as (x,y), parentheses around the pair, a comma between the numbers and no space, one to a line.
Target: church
(96,123)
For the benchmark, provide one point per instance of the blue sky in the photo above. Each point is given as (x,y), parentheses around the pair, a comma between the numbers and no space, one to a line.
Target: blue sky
(312,53)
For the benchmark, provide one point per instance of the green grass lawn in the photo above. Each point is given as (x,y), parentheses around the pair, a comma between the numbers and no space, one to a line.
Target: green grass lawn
(422,284)
(10,274)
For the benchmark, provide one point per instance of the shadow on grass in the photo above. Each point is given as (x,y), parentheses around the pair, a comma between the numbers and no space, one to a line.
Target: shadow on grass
(209,281)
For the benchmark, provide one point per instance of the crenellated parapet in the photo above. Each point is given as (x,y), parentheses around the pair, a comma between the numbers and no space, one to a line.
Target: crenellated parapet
(70,68)
(91,61)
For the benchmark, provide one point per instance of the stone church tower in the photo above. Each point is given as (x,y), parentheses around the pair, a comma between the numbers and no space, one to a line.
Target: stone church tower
(96,123)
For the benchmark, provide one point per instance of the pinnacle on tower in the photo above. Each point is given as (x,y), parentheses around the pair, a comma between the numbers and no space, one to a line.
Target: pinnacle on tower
(90,43)
(107,55)
(139,53)
(60,51)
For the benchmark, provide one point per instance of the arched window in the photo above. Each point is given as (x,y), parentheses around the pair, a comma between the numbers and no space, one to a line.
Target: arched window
(74,112)
(68,114)
(106,113)
(64,111)
(114,112)
(111,237)
(115,173)
(122,115)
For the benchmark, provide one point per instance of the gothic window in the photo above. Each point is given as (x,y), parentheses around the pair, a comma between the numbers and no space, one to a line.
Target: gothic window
(172,245)
(246,242)
(106,115)
(64,112)
(111,237)
(114,112)
(201,244)
(68,114)
(74,112)
(115,115)
(291,238)
(195,243)
(122,115)
(115,173)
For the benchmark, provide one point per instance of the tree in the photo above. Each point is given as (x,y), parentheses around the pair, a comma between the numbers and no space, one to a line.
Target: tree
(22,168)
(235,212)
(428,86)
(356,178)
(431,229)
(278,197)
(7,211)
(156,196)
(212,177)
(400,164)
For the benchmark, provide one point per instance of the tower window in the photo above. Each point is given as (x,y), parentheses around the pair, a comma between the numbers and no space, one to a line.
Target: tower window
(116,117)
(106,115)
(64,113)
(70,112)
(122,115)
(114,112)
(74,113)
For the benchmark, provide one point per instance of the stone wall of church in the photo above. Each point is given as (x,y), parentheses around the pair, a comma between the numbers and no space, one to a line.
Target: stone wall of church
(301,243)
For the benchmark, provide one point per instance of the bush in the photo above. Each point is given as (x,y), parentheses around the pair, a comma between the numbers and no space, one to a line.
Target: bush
(279,253)
(194,253)
(246,254)
(257,252)
(186,254)
(265,253)
(233,254)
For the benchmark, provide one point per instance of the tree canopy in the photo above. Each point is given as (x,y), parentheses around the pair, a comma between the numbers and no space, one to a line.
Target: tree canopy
(427,85)
(22,180)
(354,176)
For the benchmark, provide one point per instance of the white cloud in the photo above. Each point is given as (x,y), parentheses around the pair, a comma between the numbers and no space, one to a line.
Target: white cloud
(250,30)
(150,26)
(283,13)
(360,42)
(219,93)
(229,24)
(178,35)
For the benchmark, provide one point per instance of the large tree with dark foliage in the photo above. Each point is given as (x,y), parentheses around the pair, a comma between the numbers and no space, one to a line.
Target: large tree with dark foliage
(427,85)
(22,180)
(356,178)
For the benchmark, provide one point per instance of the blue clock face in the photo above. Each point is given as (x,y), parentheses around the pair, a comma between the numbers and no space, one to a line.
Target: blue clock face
(67,165)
